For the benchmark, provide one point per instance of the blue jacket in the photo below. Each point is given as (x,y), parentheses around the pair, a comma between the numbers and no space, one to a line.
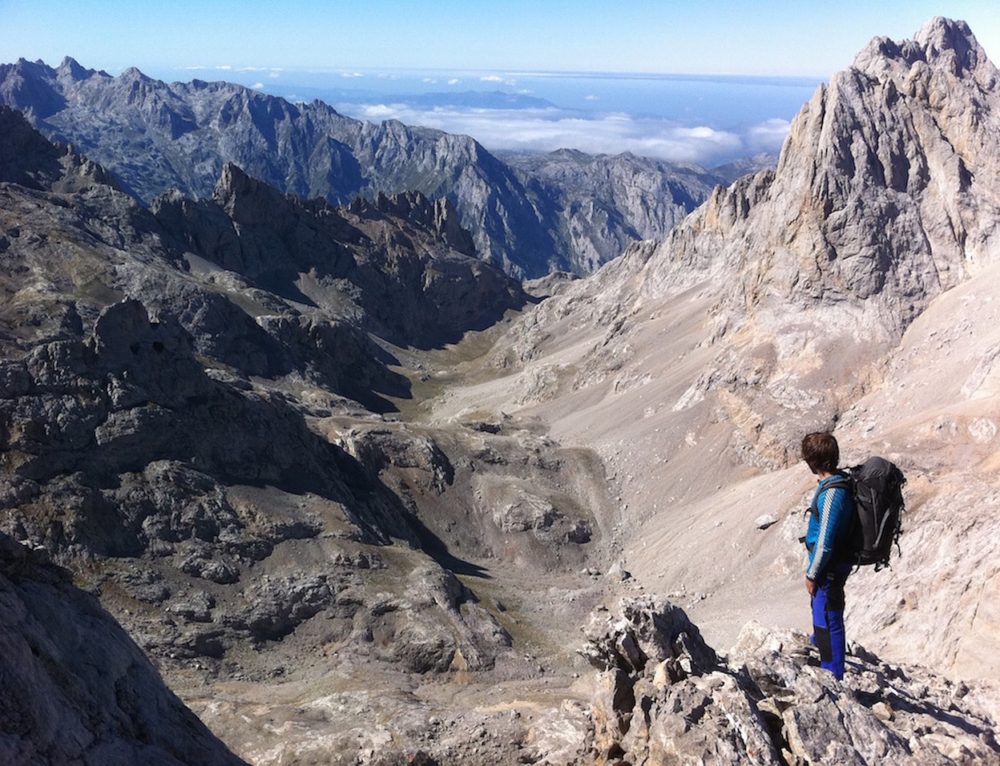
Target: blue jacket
(830,520)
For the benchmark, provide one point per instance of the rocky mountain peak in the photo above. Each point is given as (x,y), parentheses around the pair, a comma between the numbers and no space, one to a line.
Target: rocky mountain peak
(940,36)
(23,65)
(247,200)
(28,87)
(134,73)
(886,195)
(941,44)
(873,195)
(234,182)
(438,215)
(72,69)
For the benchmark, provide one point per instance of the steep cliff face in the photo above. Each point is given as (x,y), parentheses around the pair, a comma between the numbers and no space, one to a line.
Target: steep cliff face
(886,194)
(156,136)
(77,689)
(401,266)
(602,204)
(26,158)
(887,184)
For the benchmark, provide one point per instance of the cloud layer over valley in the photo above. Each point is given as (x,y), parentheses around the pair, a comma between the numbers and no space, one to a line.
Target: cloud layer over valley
(547,129)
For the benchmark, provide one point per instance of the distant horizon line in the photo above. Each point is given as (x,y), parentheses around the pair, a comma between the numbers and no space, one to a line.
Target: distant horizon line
(534,72)
(350,71)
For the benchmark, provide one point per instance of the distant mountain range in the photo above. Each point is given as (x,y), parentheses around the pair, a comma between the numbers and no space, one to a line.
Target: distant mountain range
(529,217)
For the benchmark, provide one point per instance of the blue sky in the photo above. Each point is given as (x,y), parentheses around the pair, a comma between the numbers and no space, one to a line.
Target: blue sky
(412,61)
(781,37)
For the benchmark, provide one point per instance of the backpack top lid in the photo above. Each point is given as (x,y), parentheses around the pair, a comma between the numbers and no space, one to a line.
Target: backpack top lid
(878,473)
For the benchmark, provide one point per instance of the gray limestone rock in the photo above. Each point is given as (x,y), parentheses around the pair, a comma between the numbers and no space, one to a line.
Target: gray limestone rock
(29,160)
(401,266)
(601,204)
(436,626)
(137,446)
(173,426)
(886,194)
(76,688)
(277,606)
(379,448)
(665,697)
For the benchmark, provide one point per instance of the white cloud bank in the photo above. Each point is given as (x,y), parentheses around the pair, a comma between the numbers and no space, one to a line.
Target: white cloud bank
(768,135)
(608,133)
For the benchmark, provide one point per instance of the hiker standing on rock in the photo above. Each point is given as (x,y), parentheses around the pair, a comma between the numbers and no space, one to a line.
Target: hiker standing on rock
(827,540)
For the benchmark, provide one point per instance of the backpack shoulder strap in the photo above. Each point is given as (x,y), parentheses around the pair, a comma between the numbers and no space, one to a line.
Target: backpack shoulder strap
(840,482)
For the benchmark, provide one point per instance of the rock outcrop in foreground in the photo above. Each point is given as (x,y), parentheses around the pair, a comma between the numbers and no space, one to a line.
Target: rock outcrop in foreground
(664,696)
(75,688)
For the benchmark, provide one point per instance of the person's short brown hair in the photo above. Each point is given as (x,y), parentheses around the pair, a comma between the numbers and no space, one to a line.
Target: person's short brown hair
(821,452)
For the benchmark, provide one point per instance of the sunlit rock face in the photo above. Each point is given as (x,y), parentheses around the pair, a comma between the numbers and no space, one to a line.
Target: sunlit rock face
(663,696)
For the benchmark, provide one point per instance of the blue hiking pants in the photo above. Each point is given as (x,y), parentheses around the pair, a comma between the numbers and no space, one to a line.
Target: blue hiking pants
(828,618)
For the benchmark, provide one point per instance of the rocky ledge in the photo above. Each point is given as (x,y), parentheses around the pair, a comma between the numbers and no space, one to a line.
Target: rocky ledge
(665,696)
